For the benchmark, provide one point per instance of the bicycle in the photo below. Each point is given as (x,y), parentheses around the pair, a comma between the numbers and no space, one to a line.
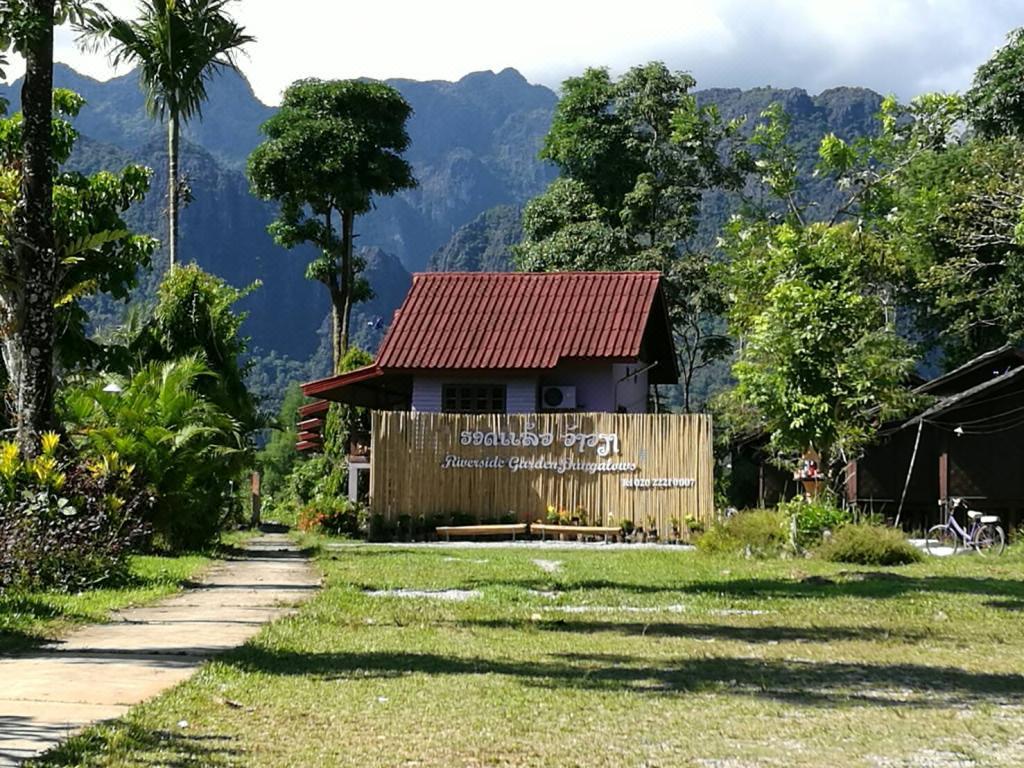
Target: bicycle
(983,534)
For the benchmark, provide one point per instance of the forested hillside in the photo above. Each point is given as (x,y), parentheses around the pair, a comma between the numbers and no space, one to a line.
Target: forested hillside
(474,150)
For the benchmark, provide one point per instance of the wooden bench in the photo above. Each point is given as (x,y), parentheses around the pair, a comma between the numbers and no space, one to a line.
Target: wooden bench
(576,530)
(512,529)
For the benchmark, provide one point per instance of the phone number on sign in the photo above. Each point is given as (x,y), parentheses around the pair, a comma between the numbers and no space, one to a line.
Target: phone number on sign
(658,482)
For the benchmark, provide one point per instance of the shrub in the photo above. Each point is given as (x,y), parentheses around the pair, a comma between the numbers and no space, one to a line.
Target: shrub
(332,515)
(462,518)
(403,527)
(380,528)
(67,526)
(285,511)
(868,544)
(305,478)
(187,448)
(759,533)
(813,518)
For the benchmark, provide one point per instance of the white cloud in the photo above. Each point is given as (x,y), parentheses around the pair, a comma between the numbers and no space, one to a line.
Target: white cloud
(900,46)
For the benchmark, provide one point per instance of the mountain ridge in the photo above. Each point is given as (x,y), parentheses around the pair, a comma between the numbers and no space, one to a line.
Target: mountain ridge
(475,146)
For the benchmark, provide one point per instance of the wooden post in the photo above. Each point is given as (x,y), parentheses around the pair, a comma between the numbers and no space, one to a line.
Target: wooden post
(254,522)
(760,485)
(353,482)
(943,469)
(851,482)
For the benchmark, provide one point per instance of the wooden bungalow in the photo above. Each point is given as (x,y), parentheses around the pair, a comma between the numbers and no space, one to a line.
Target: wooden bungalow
(499,342)
(500,393)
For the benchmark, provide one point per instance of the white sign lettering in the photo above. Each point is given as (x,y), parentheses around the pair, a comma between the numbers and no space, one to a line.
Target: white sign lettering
(525,463)
(603,443)
(658,482)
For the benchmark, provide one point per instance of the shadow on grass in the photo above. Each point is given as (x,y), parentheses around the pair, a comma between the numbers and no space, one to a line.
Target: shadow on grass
(806,683)
(1006,605)
(179,749)
(13,640)
(699,630)
(865,584)
(26,610)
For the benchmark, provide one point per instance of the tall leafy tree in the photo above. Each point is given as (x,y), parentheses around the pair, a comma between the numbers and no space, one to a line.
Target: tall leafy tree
(637,156)
(996,98)
(958,228)
(179,46)
(94,250)
(329,150)
(821,362)
(29,264)
(195,315)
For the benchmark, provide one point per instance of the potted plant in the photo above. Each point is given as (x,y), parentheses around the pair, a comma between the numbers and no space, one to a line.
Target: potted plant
(676,530)
(625,528)
(652,529)
(694,528)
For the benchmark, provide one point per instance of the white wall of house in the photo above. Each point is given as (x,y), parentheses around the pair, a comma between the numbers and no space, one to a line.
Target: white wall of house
(603,387)
(520,397)
(630,391)
(599,387)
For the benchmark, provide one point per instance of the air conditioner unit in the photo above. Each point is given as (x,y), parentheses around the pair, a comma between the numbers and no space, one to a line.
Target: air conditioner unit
(558,398)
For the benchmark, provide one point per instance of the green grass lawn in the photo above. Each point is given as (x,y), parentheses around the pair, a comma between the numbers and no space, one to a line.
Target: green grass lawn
(630,658)
(28,618)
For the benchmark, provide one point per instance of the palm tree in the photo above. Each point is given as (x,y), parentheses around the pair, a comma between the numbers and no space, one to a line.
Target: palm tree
(179,45)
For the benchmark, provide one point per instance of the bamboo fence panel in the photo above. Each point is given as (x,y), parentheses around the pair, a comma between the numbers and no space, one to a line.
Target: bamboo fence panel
(672,478)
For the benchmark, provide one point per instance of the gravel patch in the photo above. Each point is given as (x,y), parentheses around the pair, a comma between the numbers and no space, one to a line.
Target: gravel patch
(938,551)
(620,609)
(549,566)
(549,594)
(927,758)
(452,595)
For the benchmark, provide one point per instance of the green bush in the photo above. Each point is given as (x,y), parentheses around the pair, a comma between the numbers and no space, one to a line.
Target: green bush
(813,518)
(868,544)
(67,525)
(380,528)
(190,451)
(759,533)
(462,518)
(334,516)
(285,511)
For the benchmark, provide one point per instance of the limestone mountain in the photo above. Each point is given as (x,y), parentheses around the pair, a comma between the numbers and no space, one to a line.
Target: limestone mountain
(474,150)
(482,245)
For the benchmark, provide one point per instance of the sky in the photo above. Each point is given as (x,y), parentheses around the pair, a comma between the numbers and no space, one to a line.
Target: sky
(905,47)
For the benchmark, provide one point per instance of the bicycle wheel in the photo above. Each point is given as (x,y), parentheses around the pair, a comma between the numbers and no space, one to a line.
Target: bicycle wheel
(990,540)
(941,540)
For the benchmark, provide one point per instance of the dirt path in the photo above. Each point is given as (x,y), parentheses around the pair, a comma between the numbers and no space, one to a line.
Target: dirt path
(99,671)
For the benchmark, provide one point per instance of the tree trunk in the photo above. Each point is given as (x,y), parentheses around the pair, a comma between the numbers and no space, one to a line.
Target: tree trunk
(347,276)
(173,141)
(337,310)
(34,252)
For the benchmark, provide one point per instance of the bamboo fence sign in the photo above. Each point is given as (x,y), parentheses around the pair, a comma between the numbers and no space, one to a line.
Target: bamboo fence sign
(650,468)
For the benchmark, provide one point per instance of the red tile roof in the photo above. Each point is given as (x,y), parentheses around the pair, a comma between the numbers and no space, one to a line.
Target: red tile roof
(510,320)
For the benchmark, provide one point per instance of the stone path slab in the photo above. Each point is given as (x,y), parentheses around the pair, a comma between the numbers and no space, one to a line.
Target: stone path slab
(99,671)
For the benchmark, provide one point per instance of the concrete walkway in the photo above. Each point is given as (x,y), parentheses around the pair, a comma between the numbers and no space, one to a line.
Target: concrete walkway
(100,671)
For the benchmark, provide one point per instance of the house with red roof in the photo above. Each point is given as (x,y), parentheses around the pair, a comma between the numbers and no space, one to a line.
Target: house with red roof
(503,396)
(496,342)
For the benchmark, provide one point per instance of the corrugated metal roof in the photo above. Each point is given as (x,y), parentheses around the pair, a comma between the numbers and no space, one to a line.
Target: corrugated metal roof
(497,320)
